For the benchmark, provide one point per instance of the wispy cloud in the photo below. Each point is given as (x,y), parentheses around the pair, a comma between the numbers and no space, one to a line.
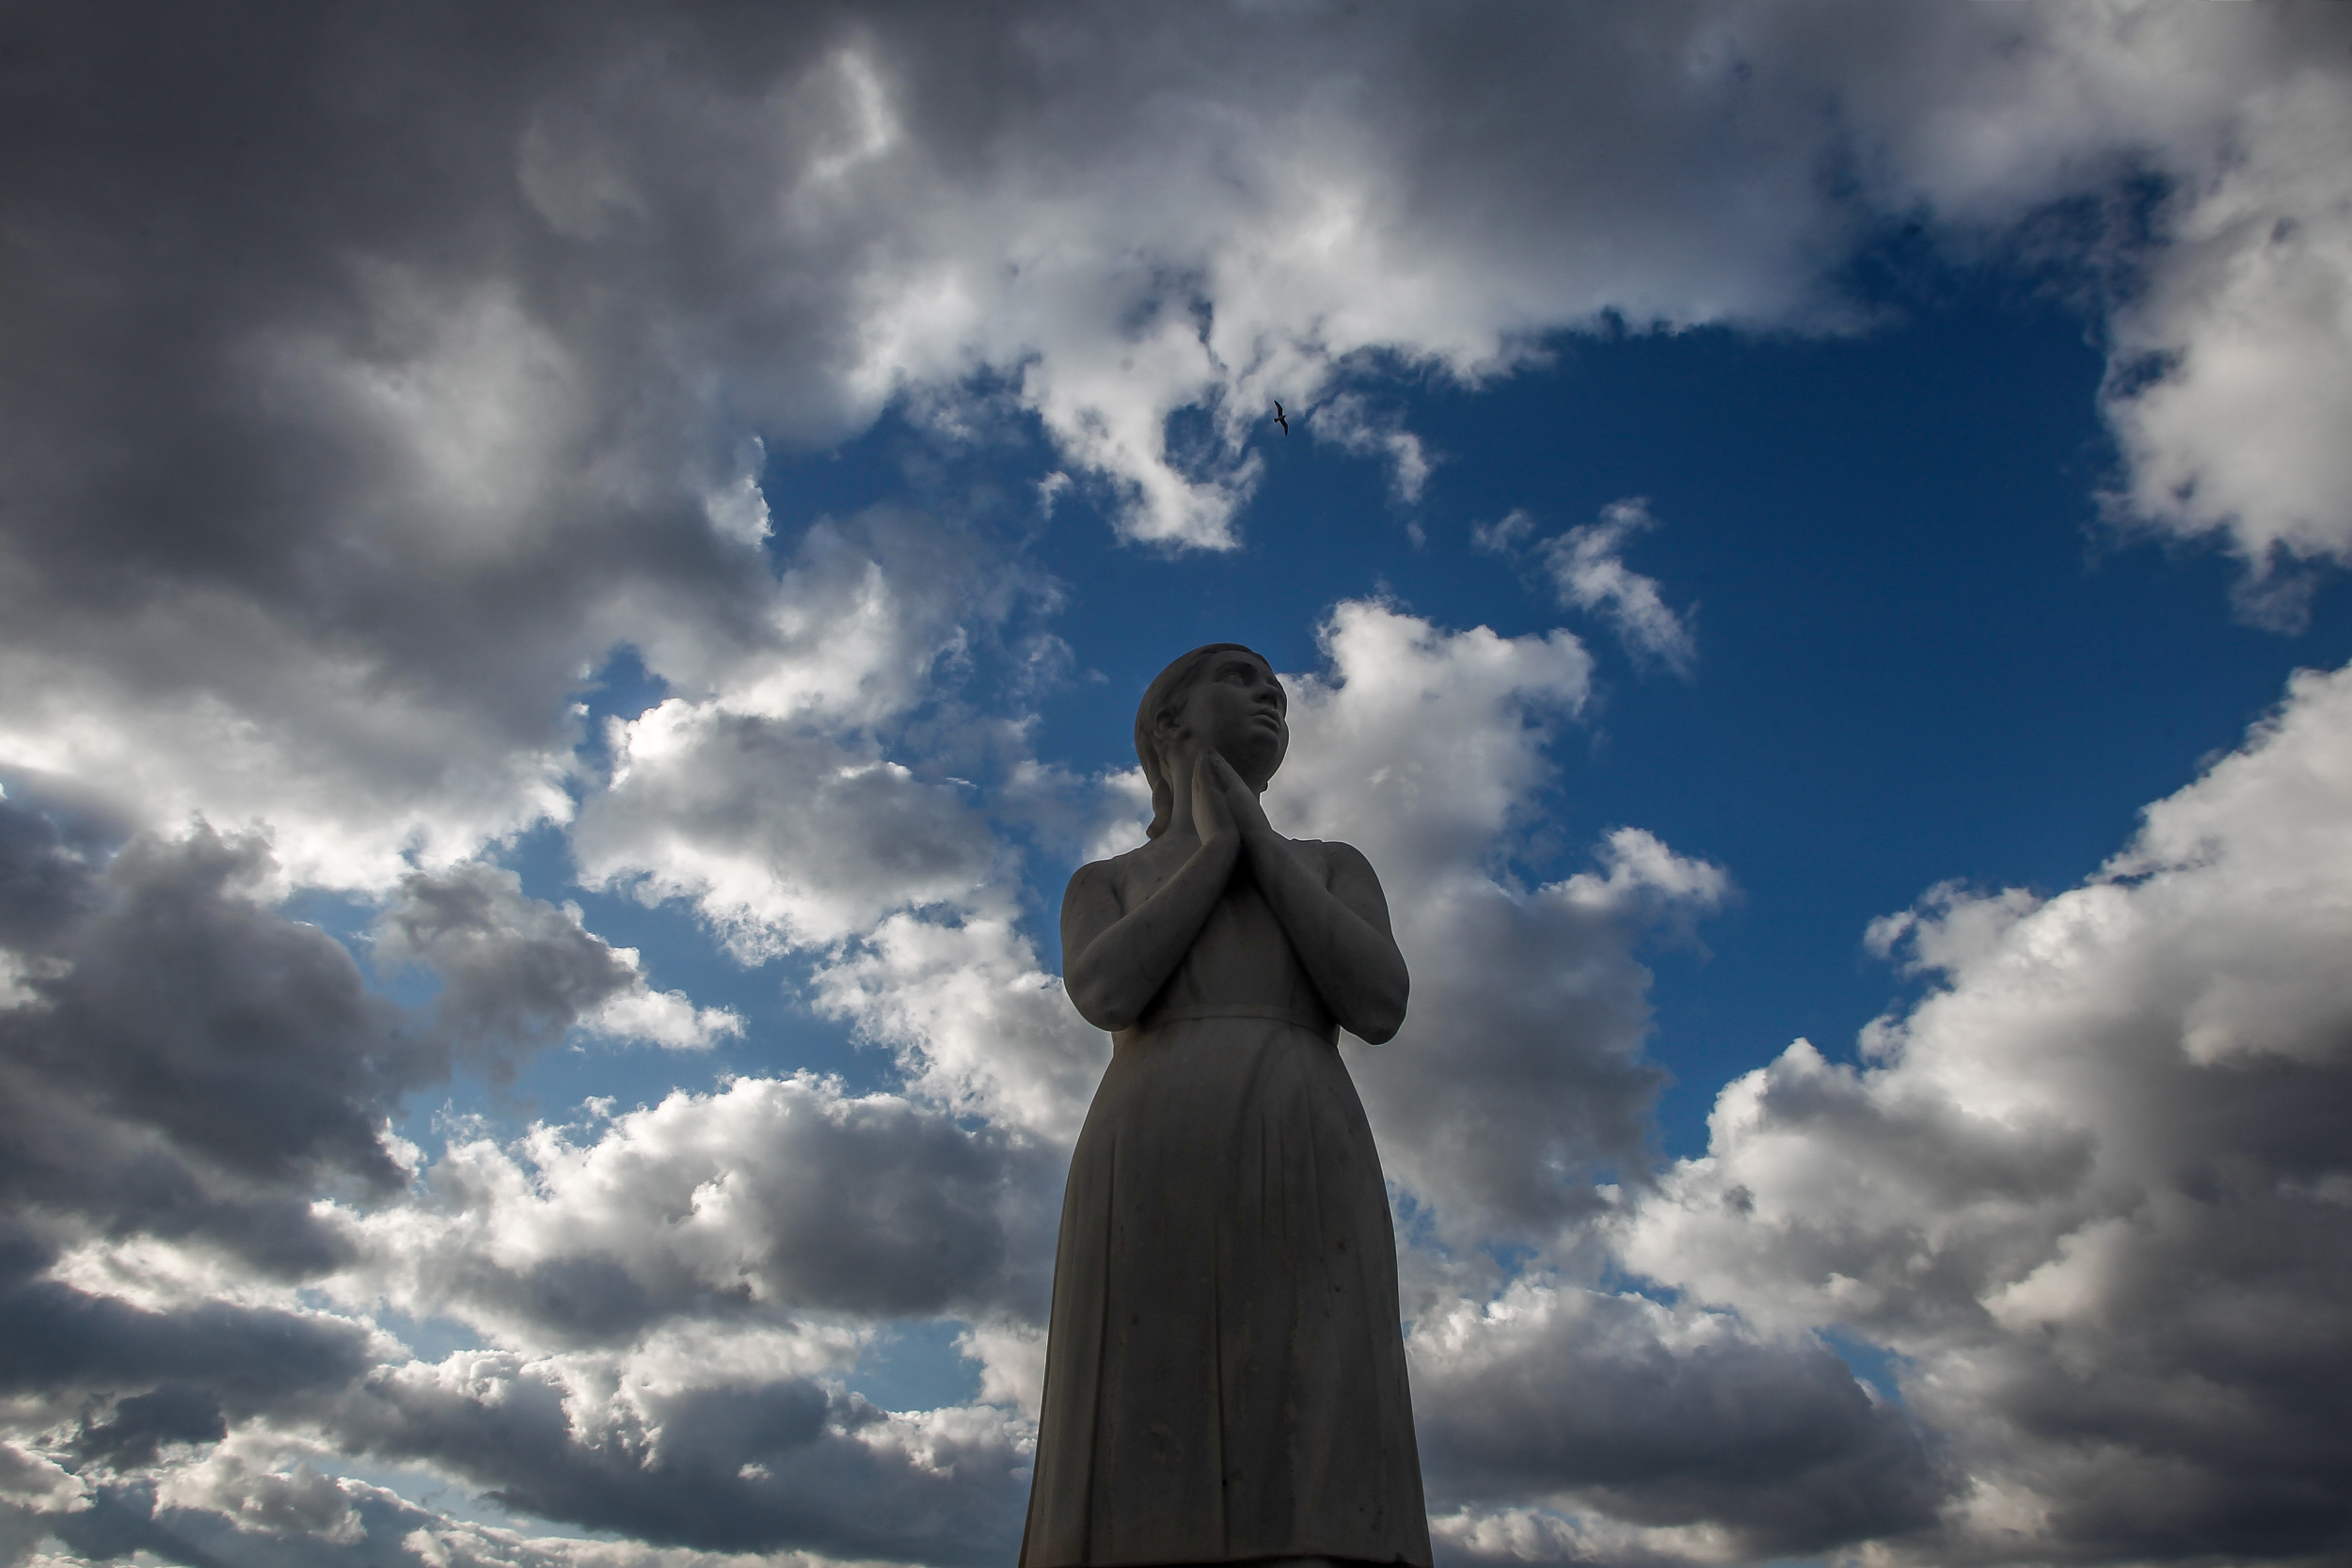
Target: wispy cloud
(1589,572)
(1351,424)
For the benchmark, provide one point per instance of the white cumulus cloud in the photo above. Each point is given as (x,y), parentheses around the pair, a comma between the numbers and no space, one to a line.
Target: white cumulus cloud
(1519,1069)
(2091,1190)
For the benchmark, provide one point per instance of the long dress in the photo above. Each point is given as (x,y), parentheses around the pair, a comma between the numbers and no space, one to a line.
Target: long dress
(1225,1369)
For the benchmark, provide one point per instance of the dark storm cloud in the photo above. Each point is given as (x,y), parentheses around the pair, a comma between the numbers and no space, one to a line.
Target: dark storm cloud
(56,1339)
(1660,1422)
(516,973)
(45,889)
(138,1426)
(189,1063)
(183,1061)
(182,184)
(60,1337)
(244,1039)
(120,1521)
(756,1466)
(301,1519)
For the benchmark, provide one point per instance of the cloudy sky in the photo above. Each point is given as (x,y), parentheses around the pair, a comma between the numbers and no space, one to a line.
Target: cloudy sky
(573,581)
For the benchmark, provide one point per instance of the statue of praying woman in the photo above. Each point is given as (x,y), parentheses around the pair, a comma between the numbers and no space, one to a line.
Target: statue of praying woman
(1225,1369)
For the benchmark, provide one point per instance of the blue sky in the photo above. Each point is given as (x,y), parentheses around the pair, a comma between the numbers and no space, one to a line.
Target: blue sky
(572,590)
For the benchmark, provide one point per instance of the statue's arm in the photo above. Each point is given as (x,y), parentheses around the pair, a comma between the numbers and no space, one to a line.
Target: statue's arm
(1332,907)
(1337,921)
(1114,961)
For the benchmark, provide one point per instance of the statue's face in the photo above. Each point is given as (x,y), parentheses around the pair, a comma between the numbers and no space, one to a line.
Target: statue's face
(1236,707)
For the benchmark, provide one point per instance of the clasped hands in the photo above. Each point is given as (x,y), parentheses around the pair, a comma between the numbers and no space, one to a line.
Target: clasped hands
(1226,811)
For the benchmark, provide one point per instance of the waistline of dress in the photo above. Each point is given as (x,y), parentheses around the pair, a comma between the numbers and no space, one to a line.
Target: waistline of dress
(1317,1024)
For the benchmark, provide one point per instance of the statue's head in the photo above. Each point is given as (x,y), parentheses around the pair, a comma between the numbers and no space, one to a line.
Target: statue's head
(1222,697)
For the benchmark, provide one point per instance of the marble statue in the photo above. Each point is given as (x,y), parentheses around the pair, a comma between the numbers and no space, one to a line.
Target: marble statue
(1225,1371)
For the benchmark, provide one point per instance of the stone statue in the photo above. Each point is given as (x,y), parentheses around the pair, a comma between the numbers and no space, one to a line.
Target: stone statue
(1225,1370)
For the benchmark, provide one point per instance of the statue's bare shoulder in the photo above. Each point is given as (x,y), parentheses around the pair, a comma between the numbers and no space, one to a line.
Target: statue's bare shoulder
(1147,865)
(1101,891)
(1349,874)
(1329,855)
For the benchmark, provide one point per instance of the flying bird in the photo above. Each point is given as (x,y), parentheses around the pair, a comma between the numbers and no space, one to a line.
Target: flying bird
(1279,419)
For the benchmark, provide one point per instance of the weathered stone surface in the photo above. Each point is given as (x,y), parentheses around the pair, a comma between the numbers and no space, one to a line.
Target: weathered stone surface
(1225,1379)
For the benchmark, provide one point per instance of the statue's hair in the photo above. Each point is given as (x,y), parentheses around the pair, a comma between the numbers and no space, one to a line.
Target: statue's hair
(1167,692)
